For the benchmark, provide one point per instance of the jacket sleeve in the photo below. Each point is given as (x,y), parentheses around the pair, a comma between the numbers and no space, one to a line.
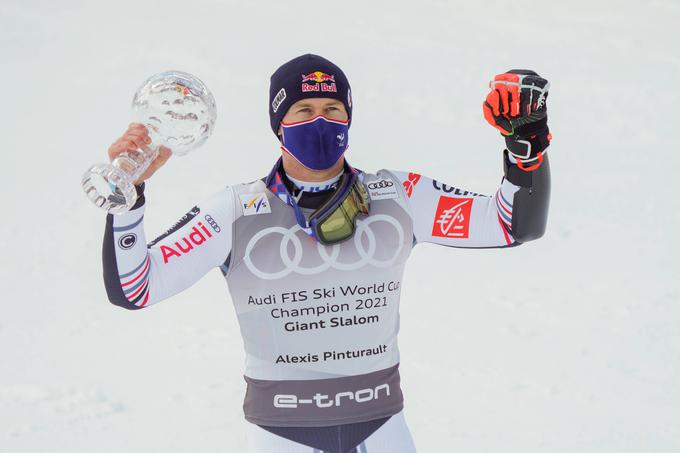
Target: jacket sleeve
(137,274)
(447,215)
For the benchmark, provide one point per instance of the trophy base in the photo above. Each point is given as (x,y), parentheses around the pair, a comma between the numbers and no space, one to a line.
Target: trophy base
(109,188)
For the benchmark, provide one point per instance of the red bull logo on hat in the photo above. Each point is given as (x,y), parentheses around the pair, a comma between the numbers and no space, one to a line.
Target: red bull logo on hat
(318,77)
(322,82)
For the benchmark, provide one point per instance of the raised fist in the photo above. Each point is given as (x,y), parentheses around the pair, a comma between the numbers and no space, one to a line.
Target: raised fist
(517,97)
(516,106)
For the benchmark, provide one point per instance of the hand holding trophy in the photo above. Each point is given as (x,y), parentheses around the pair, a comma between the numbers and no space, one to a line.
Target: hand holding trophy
(179,113)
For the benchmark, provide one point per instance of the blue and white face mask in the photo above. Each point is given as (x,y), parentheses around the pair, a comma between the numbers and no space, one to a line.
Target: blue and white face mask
(317,143)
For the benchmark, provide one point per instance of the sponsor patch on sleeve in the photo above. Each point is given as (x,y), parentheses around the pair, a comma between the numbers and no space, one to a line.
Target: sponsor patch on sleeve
(278,99)
(410,183)
(452,218)
(255,203)
(186,218)
(382,189)
(127,241)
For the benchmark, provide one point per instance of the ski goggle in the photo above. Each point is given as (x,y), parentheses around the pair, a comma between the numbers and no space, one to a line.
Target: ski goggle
(335,220)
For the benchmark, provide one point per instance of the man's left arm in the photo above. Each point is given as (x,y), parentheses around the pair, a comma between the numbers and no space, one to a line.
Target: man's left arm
(518,211)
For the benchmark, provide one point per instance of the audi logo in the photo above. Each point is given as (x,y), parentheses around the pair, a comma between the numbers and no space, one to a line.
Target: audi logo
(212,223)
(127,241)
(382,184)
(366,250)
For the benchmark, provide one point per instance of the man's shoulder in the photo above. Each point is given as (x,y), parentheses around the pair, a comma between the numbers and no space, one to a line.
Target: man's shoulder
(379,174)
(252,197)
(256,185)
(383,185)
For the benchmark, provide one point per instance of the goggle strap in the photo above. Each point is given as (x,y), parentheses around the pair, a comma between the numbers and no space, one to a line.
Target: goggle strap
(334,199)
(275,183)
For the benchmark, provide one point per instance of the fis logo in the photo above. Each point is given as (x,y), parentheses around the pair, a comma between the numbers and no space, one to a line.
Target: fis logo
(452,218)
(321,82)
(254,204)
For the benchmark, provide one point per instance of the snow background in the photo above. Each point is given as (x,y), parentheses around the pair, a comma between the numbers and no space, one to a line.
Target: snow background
(567,344)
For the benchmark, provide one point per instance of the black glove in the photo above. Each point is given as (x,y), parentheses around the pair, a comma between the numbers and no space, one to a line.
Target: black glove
(516,106)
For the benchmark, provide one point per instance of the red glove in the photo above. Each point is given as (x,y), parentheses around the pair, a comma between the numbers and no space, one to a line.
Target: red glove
(516,106)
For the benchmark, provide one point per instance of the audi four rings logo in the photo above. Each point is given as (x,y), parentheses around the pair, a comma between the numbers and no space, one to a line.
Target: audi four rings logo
(365,248)
(382,184)
(208,218)
(127,241)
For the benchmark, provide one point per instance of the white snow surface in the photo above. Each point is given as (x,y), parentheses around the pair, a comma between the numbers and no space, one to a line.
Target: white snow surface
(567,344)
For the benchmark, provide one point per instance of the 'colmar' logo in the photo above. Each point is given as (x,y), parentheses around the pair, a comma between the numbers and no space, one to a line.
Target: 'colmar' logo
(127,241)
(452,218)
(197,236)
(452,190)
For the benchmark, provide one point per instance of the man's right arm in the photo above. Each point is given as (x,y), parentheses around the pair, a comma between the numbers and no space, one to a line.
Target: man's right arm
(137,275)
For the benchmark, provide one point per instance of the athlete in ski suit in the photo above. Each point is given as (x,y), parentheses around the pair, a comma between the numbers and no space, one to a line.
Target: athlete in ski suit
(320,321)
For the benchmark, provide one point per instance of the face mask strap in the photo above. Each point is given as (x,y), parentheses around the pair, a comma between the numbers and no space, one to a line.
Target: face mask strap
(311,120)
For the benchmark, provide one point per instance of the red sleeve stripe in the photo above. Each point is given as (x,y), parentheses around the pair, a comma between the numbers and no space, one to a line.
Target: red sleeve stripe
(146,266)
(507,207)
(142,295)
(505,231)
(506,217)
(507,224)
(505,202)
(137,291)
(146,299)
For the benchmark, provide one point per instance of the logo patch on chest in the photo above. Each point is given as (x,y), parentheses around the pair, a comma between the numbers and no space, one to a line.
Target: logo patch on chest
(255,203)
(382,189)
(378,241)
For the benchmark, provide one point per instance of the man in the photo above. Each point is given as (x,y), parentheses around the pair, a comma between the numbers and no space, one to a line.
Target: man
(313,254)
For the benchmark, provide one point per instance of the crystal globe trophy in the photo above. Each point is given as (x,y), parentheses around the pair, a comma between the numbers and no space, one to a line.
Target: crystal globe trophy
(179,112)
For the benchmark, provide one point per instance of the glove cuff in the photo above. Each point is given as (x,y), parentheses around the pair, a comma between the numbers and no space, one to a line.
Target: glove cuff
(514,173)
(528,142)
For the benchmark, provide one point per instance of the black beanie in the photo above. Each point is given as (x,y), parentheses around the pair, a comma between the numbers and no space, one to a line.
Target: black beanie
(307,76)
